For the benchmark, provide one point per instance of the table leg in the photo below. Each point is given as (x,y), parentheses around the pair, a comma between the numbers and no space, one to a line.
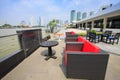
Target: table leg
(50,55)
(49,51)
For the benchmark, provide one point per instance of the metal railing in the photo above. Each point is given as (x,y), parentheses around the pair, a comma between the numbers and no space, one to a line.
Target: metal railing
(9,44)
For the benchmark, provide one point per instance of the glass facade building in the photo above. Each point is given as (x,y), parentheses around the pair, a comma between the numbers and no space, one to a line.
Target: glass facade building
(73,16)
(84,15)
(78,16)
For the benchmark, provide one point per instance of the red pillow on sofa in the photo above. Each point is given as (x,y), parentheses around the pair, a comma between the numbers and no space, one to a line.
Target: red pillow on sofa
(72,32)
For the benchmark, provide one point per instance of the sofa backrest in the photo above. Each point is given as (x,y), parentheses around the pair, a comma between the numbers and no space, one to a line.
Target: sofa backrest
(88,46)
(71,39)
(67,33)
(74,46)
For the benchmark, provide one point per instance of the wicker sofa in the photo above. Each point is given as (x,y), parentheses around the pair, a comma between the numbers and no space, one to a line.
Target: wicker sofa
(84,60)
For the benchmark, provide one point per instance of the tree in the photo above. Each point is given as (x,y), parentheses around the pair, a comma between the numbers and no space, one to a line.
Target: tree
(53,24)
(6,26)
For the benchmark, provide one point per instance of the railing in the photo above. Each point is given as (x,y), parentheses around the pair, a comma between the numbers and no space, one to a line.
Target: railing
(11,53)
(16,47)
(8,45)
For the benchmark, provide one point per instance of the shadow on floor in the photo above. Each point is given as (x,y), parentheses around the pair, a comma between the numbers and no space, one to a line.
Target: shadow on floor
(45,52)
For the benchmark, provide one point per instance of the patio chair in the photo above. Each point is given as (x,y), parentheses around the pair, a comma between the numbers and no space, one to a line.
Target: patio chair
(112,38)
(105,35)
(93,37)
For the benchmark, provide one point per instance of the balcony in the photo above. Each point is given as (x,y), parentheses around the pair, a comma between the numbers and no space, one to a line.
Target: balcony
(35,67)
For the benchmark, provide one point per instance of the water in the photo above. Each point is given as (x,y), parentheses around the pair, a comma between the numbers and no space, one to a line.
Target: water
(5,32)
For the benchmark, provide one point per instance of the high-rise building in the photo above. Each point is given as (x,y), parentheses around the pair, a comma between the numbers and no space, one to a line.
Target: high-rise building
(78,16)
(84,15)
(32,21)
(73,16)
(41,21)
(91,13)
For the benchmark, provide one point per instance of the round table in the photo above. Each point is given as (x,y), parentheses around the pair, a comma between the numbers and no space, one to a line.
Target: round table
(49,44)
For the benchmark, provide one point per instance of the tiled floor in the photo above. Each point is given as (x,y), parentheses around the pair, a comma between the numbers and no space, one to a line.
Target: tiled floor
(36,68)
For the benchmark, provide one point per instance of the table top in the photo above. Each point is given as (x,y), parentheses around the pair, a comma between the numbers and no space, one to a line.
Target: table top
(48,43)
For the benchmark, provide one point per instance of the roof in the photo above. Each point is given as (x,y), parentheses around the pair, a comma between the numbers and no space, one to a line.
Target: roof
(109,12)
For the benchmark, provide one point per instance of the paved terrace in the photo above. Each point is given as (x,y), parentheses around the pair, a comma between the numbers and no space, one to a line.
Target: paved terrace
(36,68)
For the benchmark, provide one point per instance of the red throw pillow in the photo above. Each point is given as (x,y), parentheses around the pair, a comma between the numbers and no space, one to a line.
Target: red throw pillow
(72,32)
(80,39)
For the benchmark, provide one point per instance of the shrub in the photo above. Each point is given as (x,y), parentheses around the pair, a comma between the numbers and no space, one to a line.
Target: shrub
(82,34)
(94,31)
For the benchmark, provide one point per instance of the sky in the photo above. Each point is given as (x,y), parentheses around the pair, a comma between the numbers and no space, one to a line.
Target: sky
(15,11)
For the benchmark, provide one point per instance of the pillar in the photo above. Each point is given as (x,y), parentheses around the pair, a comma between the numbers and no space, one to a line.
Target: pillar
(92,25)
(104,23)
(86,25)
(82,25)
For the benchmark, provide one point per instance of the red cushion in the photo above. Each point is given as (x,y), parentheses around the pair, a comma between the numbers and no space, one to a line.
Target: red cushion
(72,32)
(88,46)
(80,39)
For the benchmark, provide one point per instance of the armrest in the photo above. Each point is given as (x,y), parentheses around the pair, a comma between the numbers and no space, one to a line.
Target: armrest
(86,65)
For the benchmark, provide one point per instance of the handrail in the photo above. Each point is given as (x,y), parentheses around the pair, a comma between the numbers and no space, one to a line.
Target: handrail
(8,35)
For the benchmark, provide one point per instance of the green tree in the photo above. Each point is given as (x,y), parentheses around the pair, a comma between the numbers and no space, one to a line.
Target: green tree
(6,26)
(52,24)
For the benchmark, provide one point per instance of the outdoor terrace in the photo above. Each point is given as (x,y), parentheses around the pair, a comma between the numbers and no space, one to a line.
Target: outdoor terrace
(35,67)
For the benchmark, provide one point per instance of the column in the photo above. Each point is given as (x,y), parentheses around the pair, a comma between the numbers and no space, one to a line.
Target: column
(86,25)
(92,25)
(104,23)
(82,25)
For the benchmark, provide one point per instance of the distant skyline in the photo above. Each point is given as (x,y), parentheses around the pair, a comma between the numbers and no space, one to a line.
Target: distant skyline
(15,11)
